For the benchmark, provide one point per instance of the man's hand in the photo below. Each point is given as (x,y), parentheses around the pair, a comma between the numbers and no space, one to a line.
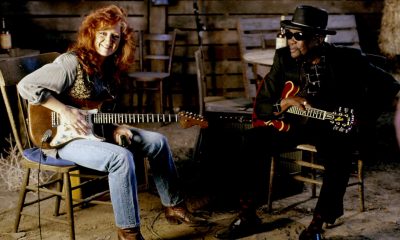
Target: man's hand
(293,101)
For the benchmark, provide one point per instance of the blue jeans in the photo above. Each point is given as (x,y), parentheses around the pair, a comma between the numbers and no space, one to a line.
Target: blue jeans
(119,163)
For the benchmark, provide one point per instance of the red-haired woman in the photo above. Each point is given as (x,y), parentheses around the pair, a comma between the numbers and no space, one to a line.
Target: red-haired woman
(91,70)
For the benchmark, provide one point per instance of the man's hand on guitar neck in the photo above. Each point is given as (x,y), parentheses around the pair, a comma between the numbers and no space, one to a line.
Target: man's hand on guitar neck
(296,101)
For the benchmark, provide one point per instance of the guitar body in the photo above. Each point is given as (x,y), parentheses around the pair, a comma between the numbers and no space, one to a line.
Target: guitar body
(289,90)
(41,119)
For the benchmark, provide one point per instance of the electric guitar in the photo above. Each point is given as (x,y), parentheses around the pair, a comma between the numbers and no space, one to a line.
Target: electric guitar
(40,119)
(342,119)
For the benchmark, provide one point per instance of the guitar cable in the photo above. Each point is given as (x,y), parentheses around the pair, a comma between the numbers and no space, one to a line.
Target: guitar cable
(45,138)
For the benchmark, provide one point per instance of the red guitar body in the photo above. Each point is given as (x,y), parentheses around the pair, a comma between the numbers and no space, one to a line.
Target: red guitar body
(289,90)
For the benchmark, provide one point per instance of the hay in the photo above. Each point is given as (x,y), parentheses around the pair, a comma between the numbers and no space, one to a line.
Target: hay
(12,173)
(389,37)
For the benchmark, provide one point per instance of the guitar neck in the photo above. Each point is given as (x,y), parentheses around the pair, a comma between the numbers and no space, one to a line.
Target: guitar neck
(311,112)
(120,118)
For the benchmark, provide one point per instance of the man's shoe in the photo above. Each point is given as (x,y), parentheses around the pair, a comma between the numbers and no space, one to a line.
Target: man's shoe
(180,214)
(129,234)
(240,227)
(308,234)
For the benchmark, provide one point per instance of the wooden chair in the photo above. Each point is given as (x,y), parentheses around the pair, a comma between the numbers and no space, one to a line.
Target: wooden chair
(255,33)
(156,53)
(11,72)
(308,160)
(346,30)
(231,112)
(217,104)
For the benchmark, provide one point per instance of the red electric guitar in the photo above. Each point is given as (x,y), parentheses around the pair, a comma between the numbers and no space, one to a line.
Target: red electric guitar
(342,119)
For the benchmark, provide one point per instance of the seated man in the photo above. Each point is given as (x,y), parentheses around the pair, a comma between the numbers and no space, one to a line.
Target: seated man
(310,73)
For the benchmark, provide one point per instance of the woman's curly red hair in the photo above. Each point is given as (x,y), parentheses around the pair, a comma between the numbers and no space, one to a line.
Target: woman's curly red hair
(85,50)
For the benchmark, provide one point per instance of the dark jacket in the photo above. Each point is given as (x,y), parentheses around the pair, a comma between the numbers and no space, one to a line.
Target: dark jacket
(351,81)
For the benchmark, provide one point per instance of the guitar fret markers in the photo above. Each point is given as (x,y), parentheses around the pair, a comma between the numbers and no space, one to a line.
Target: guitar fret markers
(64,133)
(104,118)
(309,112)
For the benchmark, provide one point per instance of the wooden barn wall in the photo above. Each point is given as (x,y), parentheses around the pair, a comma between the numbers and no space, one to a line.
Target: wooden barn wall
(51,26)
(220,40)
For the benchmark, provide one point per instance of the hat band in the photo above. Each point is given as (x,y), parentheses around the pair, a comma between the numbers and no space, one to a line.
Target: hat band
(303,25)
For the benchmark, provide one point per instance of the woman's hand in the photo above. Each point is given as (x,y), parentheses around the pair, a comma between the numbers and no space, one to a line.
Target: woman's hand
(75,118)
(122,131)
(293,101)
(69,115)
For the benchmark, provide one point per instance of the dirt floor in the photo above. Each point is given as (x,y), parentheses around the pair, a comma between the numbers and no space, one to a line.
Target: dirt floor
(380,220)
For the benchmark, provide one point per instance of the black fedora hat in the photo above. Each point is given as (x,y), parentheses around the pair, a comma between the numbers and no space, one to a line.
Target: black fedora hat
(309,18)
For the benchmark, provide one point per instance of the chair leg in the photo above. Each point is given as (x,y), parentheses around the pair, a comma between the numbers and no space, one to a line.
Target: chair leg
(140,101)
(162,110)
(146,173)
(361,184)
(57,201)
(131,96)
(168,99)
(21,200)
(270,186)
(314,186)
(69,205)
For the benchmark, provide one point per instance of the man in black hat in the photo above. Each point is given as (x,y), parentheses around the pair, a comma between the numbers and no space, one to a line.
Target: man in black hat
(310,73)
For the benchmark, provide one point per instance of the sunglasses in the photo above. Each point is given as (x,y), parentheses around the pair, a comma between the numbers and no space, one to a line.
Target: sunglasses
(299,36)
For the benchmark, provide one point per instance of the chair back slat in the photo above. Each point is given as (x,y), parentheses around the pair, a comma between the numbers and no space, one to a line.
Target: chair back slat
(201,79)
(11,72)
(157,51)
(346,30)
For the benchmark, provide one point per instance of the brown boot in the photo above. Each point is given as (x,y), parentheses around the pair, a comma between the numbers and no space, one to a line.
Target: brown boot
(129,234)
(180,214)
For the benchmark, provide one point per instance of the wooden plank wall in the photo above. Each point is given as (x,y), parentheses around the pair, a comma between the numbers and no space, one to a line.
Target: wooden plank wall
(51,26)
(221,38)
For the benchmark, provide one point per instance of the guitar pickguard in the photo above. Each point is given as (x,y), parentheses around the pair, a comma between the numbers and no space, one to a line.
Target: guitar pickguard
(65,133)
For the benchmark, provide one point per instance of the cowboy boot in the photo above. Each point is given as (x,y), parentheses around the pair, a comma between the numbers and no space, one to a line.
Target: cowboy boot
(129,234)
(180,214)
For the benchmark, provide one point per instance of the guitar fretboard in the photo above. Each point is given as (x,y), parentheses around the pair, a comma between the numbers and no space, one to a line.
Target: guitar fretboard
(310,112)
(109,118)
(104,118)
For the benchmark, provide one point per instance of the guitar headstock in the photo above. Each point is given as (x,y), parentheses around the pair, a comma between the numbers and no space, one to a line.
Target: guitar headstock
(188,119)
(343,120)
